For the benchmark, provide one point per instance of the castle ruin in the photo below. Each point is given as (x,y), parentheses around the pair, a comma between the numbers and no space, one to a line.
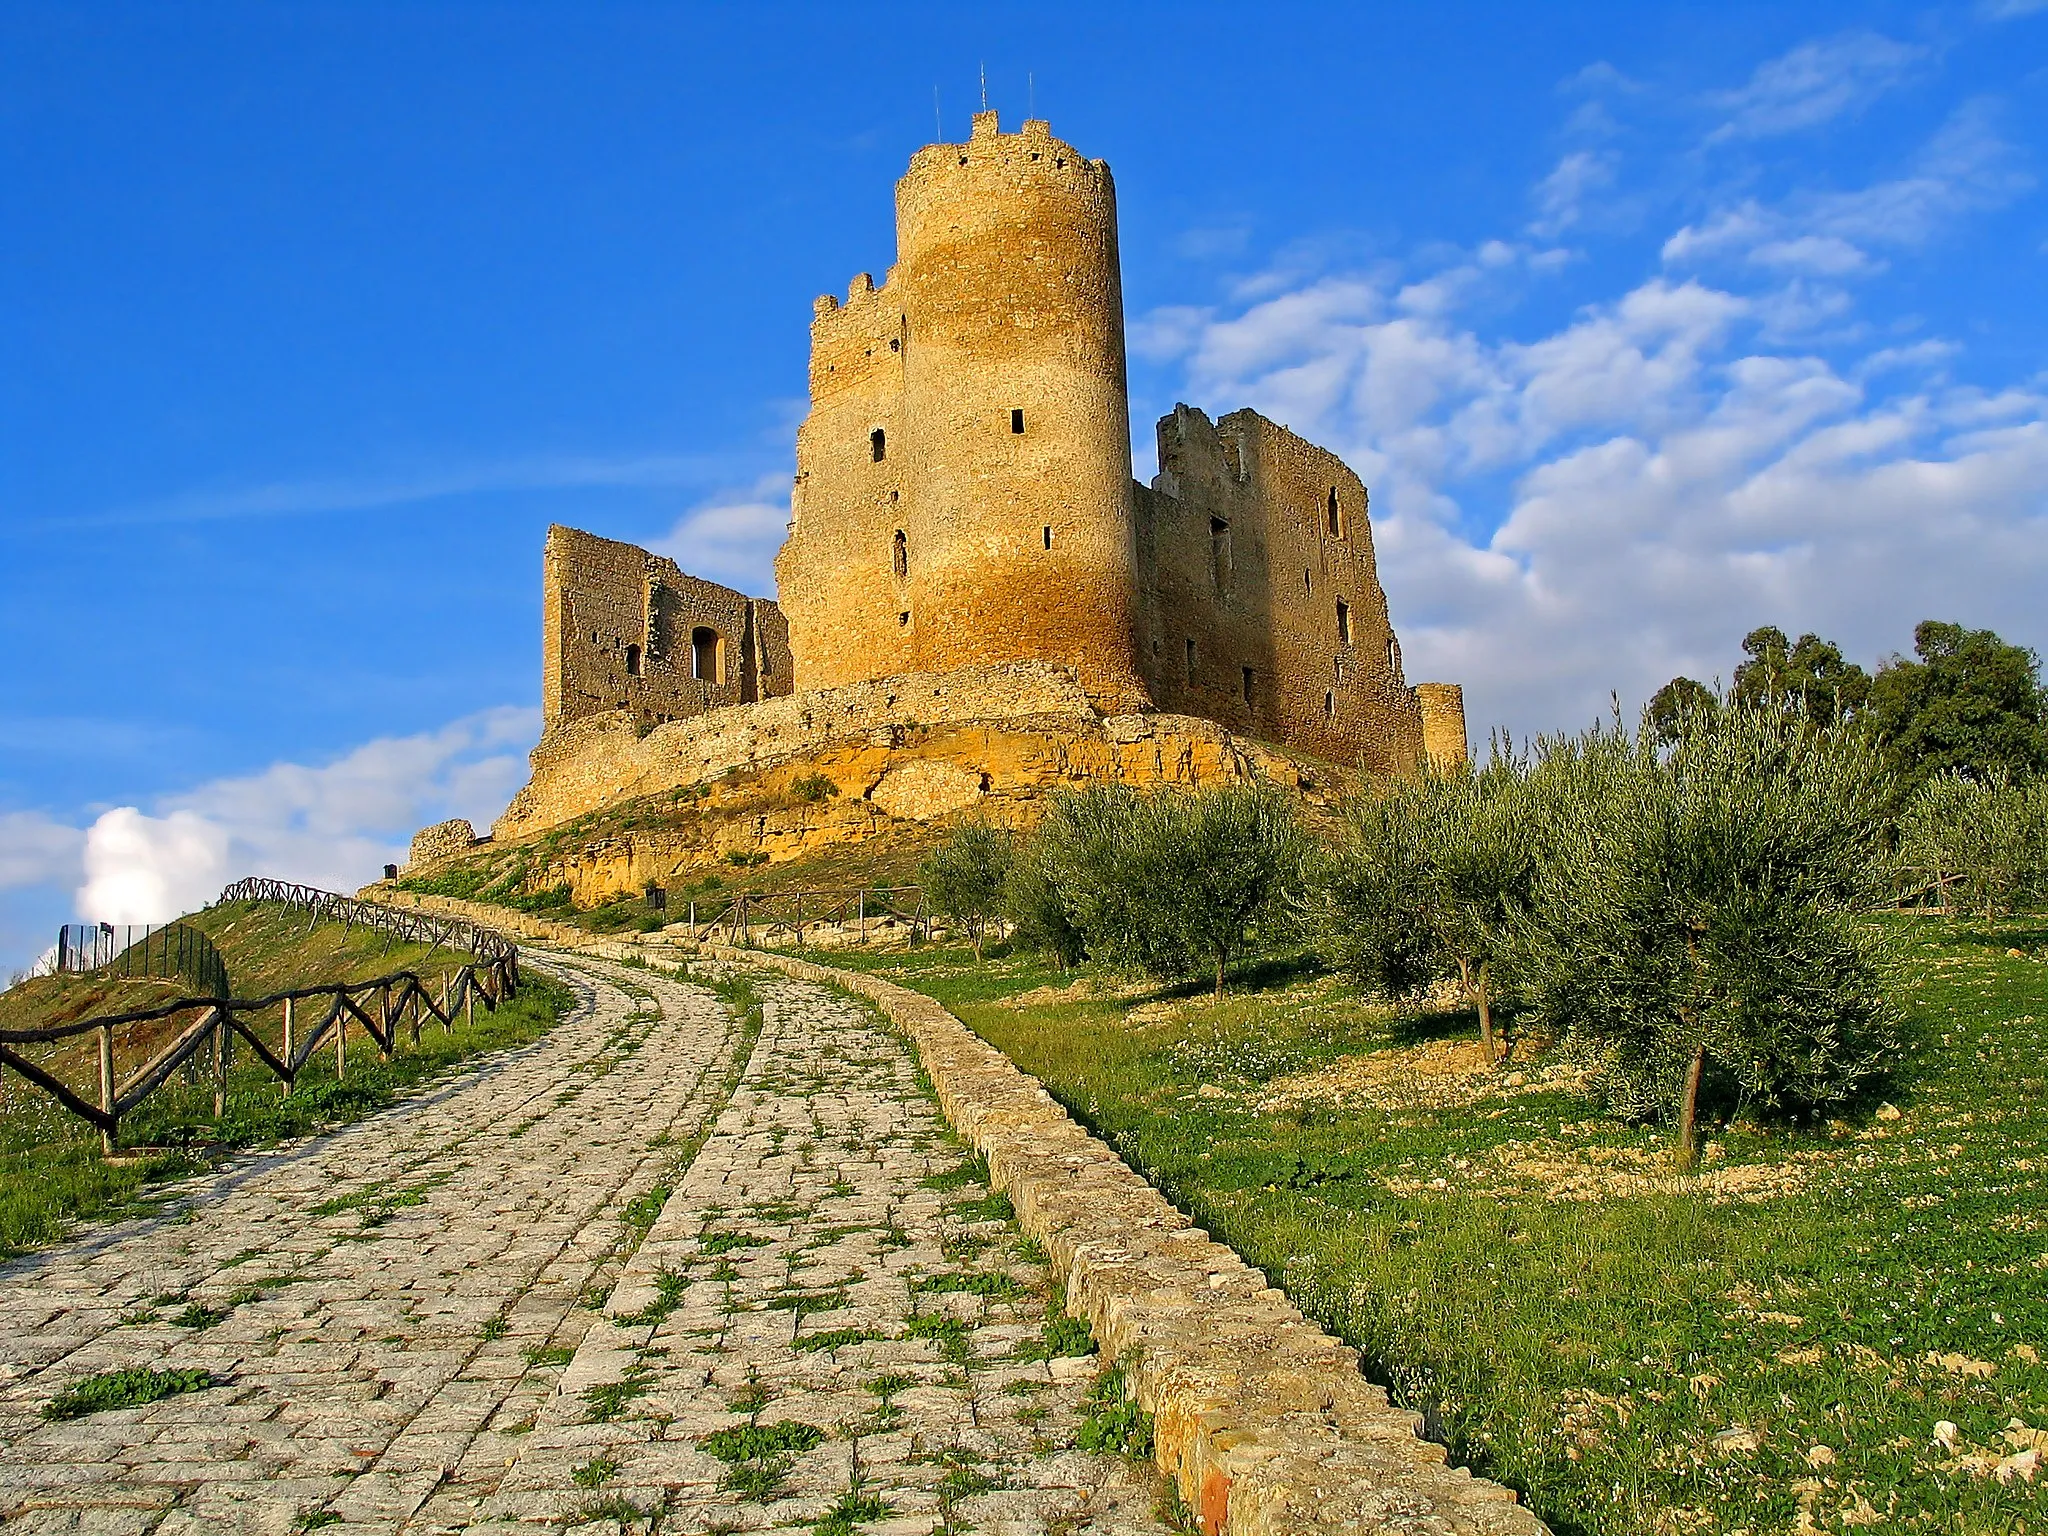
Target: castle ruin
(964,500)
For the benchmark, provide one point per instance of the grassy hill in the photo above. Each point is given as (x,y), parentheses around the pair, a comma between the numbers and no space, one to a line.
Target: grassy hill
(1825,1328)
(51,1173)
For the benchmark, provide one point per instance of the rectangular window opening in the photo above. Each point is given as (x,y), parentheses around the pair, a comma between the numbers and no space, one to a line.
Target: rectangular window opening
(1191,661)
(1048,535)
(1248,679)
(1343,622)
(903,619)
(1017,422)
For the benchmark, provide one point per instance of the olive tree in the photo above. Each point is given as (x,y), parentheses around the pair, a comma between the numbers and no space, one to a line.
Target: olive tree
(1175,882)
(965,876)
(1432,876)
(1367,897)
(1983,841)
(1694,914)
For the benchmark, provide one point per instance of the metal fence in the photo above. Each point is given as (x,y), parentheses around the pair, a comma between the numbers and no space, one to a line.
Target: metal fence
(134,951)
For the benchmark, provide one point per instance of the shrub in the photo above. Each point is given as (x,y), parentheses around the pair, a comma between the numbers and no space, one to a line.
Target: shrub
(1984,841)
(1174,882)
(123,1389)
(1691,924)
(812,789)
(1038,912)
(964,877)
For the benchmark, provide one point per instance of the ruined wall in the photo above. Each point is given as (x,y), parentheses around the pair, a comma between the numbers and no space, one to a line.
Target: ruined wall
(437,844)
(1443,723)
(1260,604)
(623,629)
(963,490)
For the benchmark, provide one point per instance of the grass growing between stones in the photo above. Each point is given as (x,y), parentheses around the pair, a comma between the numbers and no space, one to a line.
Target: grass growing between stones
(123,1389)
(51,1171)
(1825,1328)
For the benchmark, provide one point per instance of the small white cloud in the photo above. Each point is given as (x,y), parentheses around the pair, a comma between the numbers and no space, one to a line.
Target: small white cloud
(2007,10)
(1820,255)
(1815,83)
(1561,196)
(1966,167)
(1213,244)
(1162,334)
(732,538)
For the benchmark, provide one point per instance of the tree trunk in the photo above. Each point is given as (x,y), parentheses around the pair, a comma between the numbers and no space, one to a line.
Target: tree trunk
(1222,959)
(1483,996)
(1688,1112)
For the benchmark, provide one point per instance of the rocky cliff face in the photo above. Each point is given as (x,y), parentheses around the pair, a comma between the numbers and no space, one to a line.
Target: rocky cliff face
(610,810)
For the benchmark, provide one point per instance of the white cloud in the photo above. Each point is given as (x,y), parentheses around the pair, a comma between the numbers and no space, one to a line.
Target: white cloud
(1562,195)
(1965,168)
(1814,83)
(144,869)
(331,825)
(297,498)
(733,538)
(2006,10)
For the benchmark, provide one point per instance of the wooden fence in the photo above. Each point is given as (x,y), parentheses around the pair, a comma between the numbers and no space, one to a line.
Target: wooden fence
(380,1008)
(754,918)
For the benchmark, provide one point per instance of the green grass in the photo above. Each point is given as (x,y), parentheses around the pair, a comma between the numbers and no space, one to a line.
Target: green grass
(123,1389)
(51,1172)
(1780,1339)
(759,1456)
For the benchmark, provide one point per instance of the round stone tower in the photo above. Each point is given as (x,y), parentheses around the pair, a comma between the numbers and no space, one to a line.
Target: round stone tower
(978,473)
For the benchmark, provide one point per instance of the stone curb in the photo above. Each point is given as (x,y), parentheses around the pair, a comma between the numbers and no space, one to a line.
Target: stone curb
(1260,1417)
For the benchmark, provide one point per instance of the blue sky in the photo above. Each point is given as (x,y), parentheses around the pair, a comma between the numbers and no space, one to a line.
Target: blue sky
(1645,325)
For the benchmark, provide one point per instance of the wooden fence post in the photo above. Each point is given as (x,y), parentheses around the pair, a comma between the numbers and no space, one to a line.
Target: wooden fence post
(290,1046)
(384,1013)
(220,1062)
(340,1043)
(469,996)
(110,1135)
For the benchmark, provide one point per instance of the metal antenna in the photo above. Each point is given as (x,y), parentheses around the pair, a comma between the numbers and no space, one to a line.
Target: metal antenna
(984,85)
(938,123)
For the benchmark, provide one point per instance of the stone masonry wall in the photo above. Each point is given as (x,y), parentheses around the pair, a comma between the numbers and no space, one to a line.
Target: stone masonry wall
(1443,723)
(442,841)
(899,749)
(623,629)
(1262,1420)
(1261,606)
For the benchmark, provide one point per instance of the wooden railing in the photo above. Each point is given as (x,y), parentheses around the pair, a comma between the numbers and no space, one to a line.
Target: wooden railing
(754,918)
(380,1008)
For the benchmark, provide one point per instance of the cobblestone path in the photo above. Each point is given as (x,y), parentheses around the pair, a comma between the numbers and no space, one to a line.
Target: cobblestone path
(591,1283)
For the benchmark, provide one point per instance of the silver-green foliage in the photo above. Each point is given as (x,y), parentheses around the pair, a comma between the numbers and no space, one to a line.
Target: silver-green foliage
(1174,882)
(1982,843)
(1433,876)
(1693,915)
(964,877)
